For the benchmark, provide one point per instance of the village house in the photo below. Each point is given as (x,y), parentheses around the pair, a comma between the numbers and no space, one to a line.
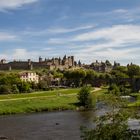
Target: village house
(29,77)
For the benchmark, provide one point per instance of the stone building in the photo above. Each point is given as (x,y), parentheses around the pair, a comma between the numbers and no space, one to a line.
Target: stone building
(29,77)
(54,63)
(102,66)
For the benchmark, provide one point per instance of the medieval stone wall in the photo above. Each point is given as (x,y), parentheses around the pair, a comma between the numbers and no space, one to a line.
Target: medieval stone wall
(54,63)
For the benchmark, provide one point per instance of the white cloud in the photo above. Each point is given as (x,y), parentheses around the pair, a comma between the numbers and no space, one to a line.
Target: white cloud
(106,13)
(119,15)
(13,4)
(56,30)
(118,33)
(19,54)
(119,42)
(124,56)
(4,36)
(120,11)
(23,54)
(115,35)
(67,30)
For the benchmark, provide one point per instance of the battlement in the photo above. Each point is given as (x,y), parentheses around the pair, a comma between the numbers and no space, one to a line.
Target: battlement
(53,63)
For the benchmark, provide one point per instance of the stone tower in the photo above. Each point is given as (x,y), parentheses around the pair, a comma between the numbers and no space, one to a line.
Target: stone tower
(40,59)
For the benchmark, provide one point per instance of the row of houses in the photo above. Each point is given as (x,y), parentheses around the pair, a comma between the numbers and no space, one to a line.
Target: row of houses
(29,77)
(34,77)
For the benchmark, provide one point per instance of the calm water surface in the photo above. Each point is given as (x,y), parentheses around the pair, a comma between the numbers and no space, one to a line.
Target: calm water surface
(45,126)
(63,125)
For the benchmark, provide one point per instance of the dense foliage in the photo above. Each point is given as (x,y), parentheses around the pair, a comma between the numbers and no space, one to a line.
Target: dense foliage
(113,124)
(123,80)
(11,83)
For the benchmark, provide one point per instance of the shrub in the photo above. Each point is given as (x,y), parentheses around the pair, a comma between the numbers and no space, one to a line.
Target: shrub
(114,89)
(85,97)
(5,89)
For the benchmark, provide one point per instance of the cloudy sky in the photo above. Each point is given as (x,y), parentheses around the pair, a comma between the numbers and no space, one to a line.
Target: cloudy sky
(87,29)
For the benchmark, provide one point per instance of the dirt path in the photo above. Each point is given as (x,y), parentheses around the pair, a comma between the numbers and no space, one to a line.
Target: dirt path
(96,89)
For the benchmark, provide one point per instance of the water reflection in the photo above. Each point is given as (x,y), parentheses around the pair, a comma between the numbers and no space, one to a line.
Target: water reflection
(48,126)
(45,126)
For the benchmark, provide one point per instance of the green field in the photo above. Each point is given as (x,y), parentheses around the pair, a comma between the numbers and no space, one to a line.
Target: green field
(64,99)
(61,99)
(40,94)
(38,105)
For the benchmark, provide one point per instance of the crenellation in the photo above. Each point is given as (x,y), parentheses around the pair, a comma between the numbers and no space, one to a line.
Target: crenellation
(101,66)
(54,63)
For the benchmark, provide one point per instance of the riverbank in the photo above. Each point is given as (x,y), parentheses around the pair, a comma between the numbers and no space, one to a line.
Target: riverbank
(56,100)
(137,102)
(64,99)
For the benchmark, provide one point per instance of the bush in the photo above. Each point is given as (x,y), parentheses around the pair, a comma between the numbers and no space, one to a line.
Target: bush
(15,90)
(114,89)
(124,90)
(5,89)
(85,97)
(25,87)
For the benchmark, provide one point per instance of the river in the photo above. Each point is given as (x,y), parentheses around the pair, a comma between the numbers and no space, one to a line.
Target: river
(63,125)
(45,126)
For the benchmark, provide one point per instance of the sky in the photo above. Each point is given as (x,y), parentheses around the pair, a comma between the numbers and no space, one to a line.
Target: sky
(87,29)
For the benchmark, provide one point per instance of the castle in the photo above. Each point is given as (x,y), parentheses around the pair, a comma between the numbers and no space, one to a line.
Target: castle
(56,63)
(51,64)
(102,66)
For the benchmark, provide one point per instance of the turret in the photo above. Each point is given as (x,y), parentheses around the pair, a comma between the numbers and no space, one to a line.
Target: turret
(40,59)
(59,60)
(3,61)
(79,63)
(72,58)
(64,58)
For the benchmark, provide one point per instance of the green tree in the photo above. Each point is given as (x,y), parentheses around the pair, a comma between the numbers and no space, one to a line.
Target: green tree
(75,77)
(85,97)
(5,89)
(114,89)
(122,69)
(112,125)
(9,83)
(134,73)
(90,77)
(15,89)
(25,87)
(133,70)
(115,129)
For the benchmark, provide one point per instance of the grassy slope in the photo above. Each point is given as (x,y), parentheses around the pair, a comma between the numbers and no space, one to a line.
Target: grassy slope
(37,105)
(39,94)
(43,101)
(47,100)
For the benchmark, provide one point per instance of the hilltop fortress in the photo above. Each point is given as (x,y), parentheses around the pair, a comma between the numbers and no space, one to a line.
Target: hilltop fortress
(56,63)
